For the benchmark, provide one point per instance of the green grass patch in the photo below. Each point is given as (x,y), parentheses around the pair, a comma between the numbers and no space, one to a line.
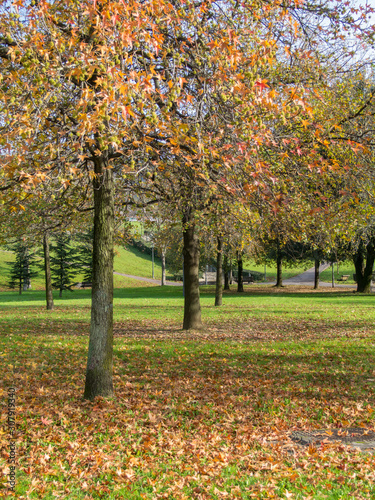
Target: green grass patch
(344,268)
(132,261)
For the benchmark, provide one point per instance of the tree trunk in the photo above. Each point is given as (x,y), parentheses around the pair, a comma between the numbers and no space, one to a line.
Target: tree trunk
(99,372)
(239,272)
(226,273)
(317,274)
(279,272)
(163,279)
(364,269)
(47,272)
(192,307)
(219,273)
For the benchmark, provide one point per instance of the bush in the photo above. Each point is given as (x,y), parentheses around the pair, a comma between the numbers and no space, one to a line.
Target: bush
(139,245)
(256,275)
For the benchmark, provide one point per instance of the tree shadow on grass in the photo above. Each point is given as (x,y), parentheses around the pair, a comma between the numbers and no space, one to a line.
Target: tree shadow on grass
(247,380)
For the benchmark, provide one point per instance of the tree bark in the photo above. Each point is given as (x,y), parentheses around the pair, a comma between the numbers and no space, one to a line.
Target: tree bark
(317,274)
(219,273)
(279,271)
(226,273)
(99,372)
(163,278)
(364,263)
(239,272)
(192,307)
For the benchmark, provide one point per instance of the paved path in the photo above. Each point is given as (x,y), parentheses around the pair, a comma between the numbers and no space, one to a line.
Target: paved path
(148,280)
(304,279)
(353,437)
(308,277)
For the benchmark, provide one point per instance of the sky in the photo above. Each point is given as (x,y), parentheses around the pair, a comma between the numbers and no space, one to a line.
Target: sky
(371,3)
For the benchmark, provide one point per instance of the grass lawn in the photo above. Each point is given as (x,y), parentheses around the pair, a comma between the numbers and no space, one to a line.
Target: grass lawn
(132,261)
(127,261)
(197,415)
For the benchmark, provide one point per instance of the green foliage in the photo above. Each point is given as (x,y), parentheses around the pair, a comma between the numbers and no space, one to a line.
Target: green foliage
(256,275)
(64,262)
(21,269)
(84,249)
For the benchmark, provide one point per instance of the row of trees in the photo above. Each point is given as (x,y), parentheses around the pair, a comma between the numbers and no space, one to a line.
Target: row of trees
(251,240)
(62,264)
(215,109)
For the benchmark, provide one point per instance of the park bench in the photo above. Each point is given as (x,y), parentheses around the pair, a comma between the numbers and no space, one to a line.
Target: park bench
(179,276)
(344,277)
(84,284)
(246,277)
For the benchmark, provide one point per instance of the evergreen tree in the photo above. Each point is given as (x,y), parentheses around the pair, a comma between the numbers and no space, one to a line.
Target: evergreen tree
(85,254)
(21,269)
(64,266)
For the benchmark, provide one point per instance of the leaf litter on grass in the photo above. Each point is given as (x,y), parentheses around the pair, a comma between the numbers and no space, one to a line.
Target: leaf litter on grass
(203,414)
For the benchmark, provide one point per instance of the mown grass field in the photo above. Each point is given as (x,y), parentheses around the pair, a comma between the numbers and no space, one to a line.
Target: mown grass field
(196,415)
(127,261)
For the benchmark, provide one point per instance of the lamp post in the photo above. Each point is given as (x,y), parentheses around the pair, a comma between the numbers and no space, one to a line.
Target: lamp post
(153,274)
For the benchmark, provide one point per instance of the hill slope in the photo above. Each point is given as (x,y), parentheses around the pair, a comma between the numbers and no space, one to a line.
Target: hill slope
(127,261)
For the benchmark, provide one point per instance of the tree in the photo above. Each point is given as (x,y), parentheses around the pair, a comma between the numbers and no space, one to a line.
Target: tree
(63,263)
(37,214)
(363,258)
(219,272)
(21,269)
(85,254)
(239,271)
(160,224)
(47,271)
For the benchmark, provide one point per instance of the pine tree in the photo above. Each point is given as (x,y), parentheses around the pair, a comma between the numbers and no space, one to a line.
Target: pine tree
(85,254)
(21,269)
(64,266)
